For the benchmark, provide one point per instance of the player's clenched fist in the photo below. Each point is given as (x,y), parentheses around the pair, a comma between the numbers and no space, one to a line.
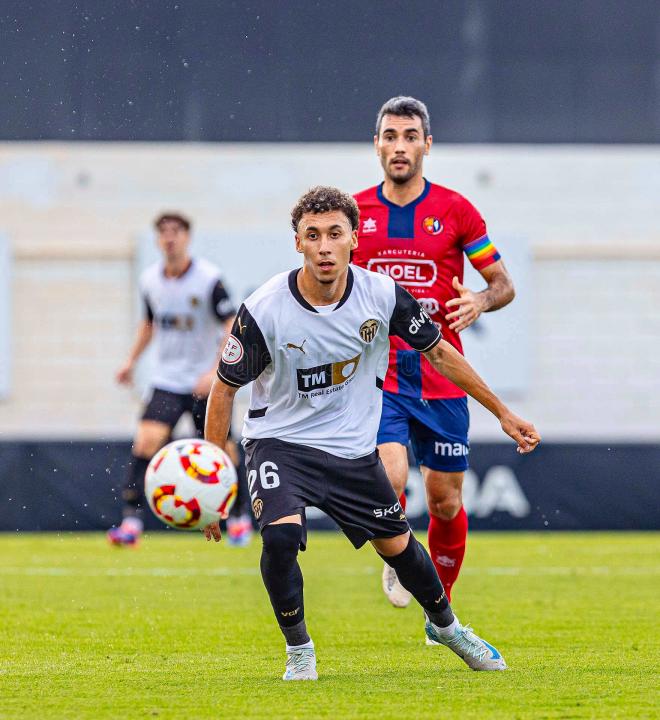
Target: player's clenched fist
(124,375)
(523,432)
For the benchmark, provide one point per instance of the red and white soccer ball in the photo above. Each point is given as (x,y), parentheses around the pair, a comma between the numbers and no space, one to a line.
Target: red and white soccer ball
(190,483)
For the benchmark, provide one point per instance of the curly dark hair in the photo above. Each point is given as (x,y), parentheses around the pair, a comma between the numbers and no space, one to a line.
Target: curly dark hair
(321,199)
(404,106)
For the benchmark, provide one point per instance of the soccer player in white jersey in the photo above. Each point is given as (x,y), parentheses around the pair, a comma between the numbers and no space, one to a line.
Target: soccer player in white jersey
(186,309)
(315,344)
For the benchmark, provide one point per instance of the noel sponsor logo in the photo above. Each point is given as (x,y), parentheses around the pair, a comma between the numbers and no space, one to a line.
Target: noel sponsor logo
(405,271)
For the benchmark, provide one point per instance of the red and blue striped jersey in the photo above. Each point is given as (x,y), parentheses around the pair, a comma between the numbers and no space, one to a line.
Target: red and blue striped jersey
(421,246)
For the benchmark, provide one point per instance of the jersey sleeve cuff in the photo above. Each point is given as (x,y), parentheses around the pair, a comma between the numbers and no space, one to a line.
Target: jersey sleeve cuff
(226,381)
(433,344)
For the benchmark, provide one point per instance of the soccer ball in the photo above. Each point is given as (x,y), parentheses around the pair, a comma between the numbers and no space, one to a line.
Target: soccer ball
(190,483)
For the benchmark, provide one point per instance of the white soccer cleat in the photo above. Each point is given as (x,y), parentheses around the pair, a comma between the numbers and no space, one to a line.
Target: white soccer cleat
(475,652)
(393,589)
(300,665)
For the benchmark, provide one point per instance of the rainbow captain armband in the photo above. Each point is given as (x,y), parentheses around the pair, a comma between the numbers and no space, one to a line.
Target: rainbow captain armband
(481,252)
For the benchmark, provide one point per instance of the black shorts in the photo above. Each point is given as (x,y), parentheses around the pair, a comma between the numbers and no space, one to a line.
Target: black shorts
(285,478)
(168,407)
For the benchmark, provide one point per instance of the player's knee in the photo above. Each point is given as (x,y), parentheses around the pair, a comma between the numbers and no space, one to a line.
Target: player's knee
(147,444)
(399,484)
(282,542)
(446,507)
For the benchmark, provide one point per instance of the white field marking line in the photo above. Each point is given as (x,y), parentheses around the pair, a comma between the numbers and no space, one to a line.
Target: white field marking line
(513,570)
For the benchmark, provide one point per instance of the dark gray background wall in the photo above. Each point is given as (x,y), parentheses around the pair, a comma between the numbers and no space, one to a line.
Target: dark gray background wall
(270,70)
(48,485)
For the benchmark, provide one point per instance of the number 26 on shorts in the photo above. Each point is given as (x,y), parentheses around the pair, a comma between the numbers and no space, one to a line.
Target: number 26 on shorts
(267,476)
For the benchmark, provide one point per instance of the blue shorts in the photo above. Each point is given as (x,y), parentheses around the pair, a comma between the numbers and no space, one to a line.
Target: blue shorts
(437,429)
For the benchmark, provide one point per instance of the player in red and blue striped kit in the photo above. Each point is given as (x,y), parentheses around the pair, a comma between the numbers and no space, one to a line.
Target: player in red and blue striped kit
(417,233)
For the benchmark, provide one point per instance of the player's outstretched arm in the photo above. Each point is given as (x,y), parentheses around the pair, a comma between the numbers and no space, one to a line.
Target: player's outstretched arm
(216,430)
(450,363)
(218,412)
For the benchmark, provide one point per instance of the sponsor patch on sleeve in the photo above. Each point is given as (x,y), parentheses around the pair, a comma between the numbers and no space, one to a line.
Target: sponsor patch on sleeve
(233,350)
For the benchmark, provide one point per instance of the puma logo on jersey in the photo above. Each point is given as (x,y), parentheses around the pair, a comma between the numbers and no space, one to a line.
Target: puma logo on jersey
(293,346)
(241,327)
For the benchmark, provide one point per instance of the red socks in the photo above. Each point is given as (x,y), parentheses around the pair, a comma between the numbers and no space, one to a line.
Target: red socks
(447,547)
(402,501)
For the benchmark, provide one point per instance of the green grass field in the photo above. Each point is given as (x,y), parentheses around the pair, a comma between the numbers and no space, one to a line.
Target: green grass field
(183,629)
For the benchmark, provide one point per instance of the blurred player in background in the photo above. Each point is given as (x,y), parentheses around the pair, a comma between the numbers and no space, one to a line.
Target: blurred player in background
(186,309)
(417,232)
(315,343)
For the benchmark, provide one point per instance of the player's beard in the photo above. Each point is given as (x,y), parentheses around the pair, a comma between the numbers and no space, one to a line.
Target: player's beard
(403,178)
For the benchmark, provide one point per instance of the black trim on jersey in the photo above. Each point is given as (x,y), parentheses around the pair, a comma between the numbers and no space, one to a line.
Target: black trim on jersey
(412,323)
(349,288)
(259,412)
(293,287)
(225,381)
(220,297)
(379,383)
(255,356)
(148,310)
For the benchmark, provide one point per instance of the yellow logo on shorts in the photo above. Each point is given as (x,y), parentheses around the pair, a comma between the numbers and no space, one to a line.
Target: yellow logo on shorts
(258,507)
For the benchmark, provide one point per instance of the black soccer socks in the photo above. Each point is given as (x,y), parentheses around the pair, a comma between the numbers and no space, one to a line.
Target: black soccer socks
(133,492)
(283,579)
(417,574)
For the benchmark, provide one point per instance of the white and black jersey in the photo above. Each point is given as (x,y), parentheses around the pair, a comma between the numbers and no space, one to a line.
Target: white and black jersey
(185,312)
(318,376)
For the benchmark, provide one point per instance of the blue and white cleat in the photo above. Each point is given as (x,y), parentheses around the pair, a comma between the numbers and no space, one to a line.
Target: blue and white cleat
(300,665)
(123,537)
(475,652)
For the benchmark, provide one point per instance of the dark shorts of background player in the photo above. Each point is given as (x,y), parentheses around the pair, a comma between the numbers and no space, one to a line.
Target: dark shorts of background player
(437,429)
(285,478)
(168,407)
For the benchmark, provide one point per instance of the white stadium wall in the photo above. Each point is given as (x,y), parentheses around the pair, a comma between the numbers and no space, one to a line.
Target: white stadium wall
(583,357)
